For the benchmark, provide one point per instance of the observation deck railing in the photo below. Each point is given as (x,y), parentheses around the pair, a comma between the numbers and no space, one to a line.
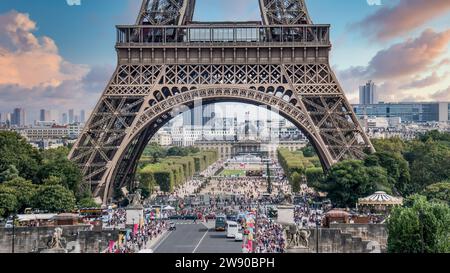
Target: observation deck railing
(146,35)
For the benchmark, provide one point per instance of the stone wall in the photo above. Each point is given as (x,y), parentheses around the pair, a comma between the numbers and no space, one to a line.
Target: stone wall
(342,238)
(370,232)
(79,239)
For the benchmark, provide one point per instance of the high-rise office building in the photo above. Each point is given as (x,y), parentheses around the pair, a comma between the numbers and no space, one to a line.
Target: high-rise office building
(82,116)
(64,119)
(18,117)
(71,116)
(368,94)
(45,115)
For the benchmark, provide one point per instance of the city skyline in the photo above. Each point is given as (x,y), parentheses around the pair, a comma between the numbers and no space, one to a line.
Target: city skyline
(74,71)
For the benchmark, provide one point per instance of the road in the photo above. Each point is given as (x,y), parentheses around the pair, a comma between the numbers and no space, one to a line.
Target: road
(196,238)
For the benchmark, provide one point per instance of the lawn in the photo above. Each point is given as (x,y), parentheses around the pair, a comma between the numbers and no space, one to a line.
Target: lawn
(234,173)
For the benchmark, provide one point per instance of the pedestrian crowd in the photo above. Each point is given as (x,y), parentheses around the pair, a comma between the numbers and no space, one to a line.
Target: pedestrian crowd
(269,236)
(137,239)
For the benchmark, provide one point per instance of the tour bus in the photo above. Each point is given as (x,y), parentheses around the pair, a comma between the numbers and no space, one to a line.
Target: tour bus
(232,229)
(221,222)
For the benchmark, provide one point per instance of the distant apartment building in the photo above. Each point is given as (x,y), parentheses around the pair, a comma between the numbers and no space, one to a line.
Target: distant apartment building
(74,130)
(162,138)
(45,133)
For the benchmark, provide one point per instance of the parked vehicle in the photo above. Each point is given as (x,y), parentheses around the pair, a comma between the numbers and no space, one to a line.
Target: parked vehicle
(172,226)
(239,237)
(232,229)
(9,224)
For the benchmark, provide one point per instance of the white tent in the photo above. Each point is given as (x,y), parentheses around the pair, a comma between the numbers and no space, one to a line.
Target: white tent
(169,208)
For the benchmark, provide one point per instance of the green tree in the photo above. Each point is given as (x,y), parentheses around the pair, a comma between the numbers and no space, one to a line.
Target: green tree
(296,179)
(429,164)
(439,192)
(15,150)
(88,203)
(55,163)
(349,180)
(419,227)
(10,173)
(397,169)
(314,176)
(52,180)
(178,151)
(24,190)
(54,198)
(309,151)
(393,145)
(155,151)
(8,201)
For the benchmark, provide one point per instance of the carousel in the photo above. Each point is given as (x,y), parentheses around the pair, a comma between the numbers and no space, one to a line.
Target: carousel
(380,202)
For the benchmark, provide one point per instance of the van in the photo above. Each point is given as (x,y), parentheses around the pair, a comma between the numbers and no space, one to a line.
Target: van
(9,224)
(232,229)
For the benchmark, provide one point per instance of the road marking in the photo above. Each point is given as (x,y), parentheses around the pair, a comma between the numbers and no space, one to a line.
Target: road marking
(201,240)
(158,244)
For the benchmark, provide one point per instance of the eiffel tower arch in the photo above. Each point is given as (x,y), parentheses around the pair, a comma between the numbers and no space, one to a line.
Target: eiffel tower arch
(167,62)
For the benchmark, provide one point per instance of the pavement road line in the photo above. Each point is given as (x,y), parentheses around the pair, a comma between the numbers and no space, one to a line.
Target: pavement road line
(201,240)
(159,243)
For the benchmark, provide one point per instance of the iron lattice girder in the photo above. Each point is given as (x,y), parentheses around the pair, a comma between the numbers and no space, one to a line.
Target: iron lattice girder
(149,87)
(284,12)
(166,12)
(179,12)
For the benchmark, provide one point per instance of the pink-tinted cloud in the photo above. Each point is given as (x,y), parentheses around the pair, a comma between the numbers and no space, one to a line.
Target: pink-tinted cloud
(409,57)
(443,95)
(29,61)
(406,15)
(430,80)
(400,67)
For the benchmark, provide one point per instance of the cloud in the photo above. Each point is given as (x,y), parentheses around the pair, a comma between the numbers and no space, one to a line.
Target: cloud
(405,16)
(29,61)
(443,95)
(400,67)
(430,80)
(411,56)
(34,75)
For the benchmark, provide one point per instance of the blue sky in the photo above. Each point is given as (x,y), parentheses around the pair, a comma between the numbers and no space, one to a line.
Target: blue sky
(403,45)
(85,34)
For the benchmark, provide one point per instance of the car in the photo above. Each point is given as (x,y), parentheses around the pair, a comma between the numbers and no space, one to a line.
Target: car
(172,226)
(239,237)
(9,224)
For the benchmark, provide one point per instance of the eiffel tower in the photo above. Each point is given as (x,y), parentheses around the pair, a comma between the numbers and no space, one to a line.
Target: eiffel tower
(167,62)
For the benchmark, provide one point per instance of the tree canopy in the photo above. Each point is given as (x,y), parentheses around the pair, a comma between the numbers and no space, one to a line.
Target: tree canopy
(419,227)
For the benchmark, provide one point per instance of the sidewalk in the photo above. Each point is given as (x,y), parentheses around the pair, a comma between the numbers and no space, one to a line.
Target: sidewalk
(154,242)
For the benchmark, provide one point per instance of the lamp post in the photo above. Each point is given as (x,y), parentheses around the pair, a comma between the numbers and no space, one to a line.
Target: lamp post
(317,235)
(13,233)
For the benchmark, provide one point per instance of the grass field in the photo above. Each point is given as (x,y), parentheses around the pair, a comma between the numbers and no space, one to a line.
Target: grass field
(229,173)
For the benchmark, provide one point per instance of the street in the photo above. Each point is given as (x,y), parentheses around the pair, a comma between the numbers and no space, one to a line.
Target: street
(197,238)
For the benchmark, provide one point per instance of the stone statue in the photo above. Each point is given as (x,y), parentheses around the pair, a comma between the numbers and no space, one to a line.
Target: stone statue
(57,241)
(135,199)
(297,238)
(287,199)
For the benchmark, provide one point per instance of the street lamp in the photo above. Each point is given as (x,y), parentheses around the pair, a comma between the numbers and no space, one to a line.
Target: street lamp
(317,235)
(13,233)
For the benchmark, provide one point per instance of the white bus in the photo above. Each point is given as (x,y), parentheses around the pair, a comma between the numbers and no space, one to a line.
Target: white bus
(232,229)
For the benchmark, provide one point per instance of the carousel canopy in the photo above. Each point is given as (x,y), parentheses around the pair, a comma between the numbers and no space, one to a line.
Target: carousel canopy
(380,198)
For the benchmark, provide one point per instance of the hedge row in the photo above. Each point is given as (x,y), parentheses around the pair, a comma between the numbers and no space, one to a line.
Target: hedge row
(174,171)
(296,162)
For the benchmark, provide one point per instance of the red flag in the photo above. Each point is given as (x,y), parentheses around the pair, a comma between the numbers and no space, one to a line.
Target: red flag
(135,229)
